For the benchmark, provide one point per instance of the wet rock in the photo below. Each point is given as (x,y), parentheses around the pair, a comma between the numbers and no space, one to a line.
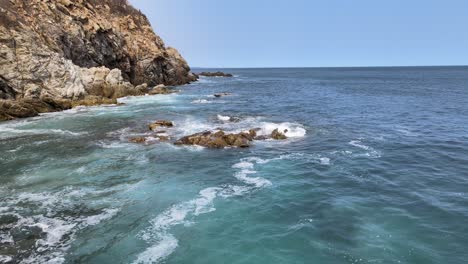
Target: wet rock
(215,74)
(262,137)
(160,123)
(6,220)
(218,139)
(276,134)
(92,100)
(27,233)
(150,139)
(162,89)
(11,109)
(163,138)
(218,95)
(137,140)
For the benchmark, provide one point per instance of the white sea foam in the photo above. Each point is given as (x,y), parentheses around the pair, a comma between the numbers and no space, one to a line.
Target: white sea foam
(201,101)
(325,161)
(81,170)
(159,99)
(359,144)
(5,259)
(164,243)
(96,219)
(256,181)
(159,251)
(291,130)
(243,165)
(13,132)
(115,145)
(247,169)
(59,231)
(370,151)
(224,118)
(192,125)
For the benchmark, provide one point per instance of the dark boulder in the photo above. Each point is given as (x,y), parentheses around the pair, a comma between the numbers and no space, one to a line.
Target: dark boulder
(160,123)
(218,95)
(218,139)
(276,134)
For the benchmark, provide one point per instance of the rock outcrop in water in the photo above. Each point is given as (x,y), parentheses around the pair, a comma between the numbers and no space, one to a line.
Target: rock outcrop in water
(215,74)
(159,124)
(56,53)
(219,139)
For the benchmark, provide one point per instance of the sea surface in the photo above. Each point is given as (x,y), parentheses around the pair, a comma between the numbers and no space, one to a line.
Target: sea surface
(375,170)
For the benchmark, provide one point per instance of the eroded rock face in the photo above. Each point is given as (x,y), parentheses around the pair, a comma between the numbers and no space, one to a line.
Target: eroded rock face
(73,49)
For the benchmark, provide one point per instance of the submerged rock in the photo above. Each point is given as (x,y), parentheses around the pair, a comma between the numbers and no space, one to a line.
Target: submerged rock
(215,74)
(218,95)
(150,139)
(137,140)
(160,123)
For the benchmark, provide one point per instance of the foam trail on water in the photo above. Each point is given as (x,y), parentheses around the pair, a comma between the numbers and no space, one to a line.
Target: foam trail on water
(13,132)
(201,101)
(167,244)
(58,229)
(164,243)
(246,168)
(371,152)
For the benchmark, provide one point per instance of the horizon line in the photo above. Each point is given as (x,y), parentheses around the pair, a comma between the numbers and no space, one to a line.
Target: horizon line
(328,67)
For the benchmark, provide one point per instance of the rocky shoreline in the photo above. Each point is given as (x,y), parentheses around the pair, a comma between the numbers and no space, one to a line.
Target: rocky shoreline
(55,55)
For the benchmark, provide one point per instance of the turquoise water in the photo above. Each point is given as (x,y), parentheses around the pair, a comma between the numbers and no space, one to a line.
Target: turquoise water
(375,171)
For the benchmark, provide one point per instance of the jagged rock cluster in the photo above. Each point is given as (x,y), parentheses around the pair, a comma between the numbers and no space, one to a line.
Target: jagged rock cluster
(210,139)
(56,51)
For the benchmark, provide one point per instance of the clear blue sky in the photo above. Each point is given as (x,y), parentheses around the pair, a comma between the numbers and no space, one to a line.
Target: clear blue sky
(315,33)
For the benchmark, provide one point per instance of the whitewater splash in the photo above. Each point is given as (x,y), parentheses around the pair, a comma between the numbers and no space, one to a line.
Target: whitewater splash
(52,225)
(291,130)
(223,118)
(236,124)
(164,243)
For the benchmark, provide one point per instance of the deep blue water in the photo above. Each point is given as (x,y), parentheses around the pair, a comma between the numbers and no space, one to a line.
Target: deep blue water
(375,171)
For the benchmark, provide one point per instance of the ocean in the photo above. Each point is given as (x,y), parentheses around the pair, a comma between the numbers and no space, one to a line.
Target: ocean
(374,170)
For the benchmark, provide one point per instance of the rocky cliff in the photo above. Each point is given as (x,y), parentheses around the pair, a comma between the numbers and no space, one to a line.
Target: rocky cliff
(58,53)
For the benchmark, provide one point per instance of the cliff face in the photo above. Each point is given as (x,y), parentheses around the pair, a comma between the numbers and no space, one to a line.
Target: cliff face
(68,50)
